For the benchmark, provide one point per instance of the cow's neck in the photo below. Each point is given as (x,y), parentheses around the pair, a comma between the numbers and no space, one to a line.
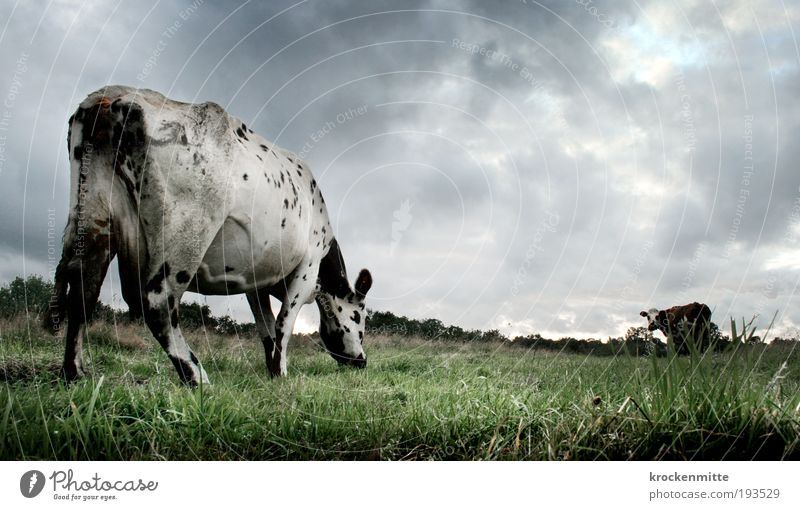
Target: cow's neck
(332,278)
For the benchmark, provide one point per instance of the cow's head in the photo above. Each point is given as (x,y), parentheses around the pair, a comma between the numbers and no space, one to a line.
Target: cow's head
(343,319)
(656,319)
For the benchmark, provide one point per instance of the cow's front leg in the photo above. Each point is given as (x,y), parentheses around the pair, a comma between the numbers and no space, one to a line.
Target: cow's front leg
(299,291)
(265,323)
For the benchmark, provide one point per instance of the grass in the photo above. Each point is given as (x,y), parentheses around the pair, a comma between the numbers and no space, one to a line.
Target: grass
(417,400)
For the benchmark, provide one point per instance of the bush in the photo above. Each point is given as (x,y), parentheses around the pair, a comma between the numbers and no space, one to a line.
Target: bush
(196,316)
(25,296)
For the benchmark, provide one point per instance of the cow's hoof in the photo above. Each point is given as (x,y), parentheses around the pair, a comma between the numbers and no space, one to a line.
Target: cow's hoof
(71,373)
(197,384)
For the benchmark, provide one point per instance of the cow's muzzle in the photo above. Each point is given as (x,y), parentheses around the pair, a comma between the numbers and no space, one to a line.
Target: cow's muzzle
(358,362)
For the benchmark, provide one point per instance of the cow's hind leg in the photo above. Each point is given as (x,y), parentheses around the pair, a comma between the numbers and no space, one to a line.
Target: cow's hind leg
(161,315)
(85,272)
(265,322)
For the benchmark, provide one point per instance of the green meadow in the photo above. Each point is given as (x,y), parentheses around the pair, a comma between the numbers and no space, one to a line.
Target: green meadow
(417,399)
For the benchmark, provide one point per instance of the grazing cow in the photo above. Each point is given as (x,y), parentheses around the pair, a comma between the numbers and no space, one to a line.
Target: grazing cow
(679,321)
(190,198)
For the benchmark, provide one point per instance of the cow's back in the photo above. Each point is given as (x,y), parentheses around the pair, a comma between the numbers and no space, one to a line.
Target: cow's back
(201,186)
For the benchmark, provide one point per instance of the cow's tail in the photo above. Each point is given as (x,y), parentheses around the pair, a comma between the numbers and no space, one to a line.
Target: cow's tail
(54,315)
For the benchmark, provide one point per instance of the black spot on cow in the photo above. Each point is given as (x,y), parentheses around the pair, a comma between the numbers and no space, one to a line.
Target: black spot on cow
(241,134)
(264,148)
(290,159)
(182,277)
(171,302)
(77,153)
(228,269)
(356,317)
(244,126)
(155,283)
(285,203)
(244,177)
(283,223)
(174,318)
(69,131)
(193,358)
(260,159)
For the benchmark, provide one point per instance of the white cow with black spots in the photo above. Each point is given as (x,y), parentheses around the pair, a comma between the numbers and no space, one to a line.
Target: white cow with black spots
(189,198)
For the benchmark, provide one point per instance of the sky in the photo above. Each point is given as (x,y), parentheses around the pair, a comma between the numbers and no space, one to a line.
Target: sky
(550,167)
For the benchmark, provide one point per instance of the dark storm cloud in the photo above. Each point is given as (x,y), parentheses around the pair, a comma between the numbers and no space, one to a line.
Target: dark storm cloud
(532,166)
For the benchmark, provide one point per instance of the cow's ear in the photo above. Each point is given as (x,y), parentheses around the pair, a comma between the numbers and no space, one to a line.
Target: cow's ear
(363,283)
(643,313)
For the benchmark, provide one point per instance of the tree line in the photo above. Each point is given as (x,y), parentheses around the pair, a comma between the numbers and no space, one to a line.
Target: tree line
(31,296)
(637,341)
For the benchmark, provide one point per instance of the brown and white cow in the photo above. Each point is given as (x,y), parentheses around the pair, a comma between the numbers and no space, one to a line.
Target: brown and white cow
(191,199)
(679,321)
